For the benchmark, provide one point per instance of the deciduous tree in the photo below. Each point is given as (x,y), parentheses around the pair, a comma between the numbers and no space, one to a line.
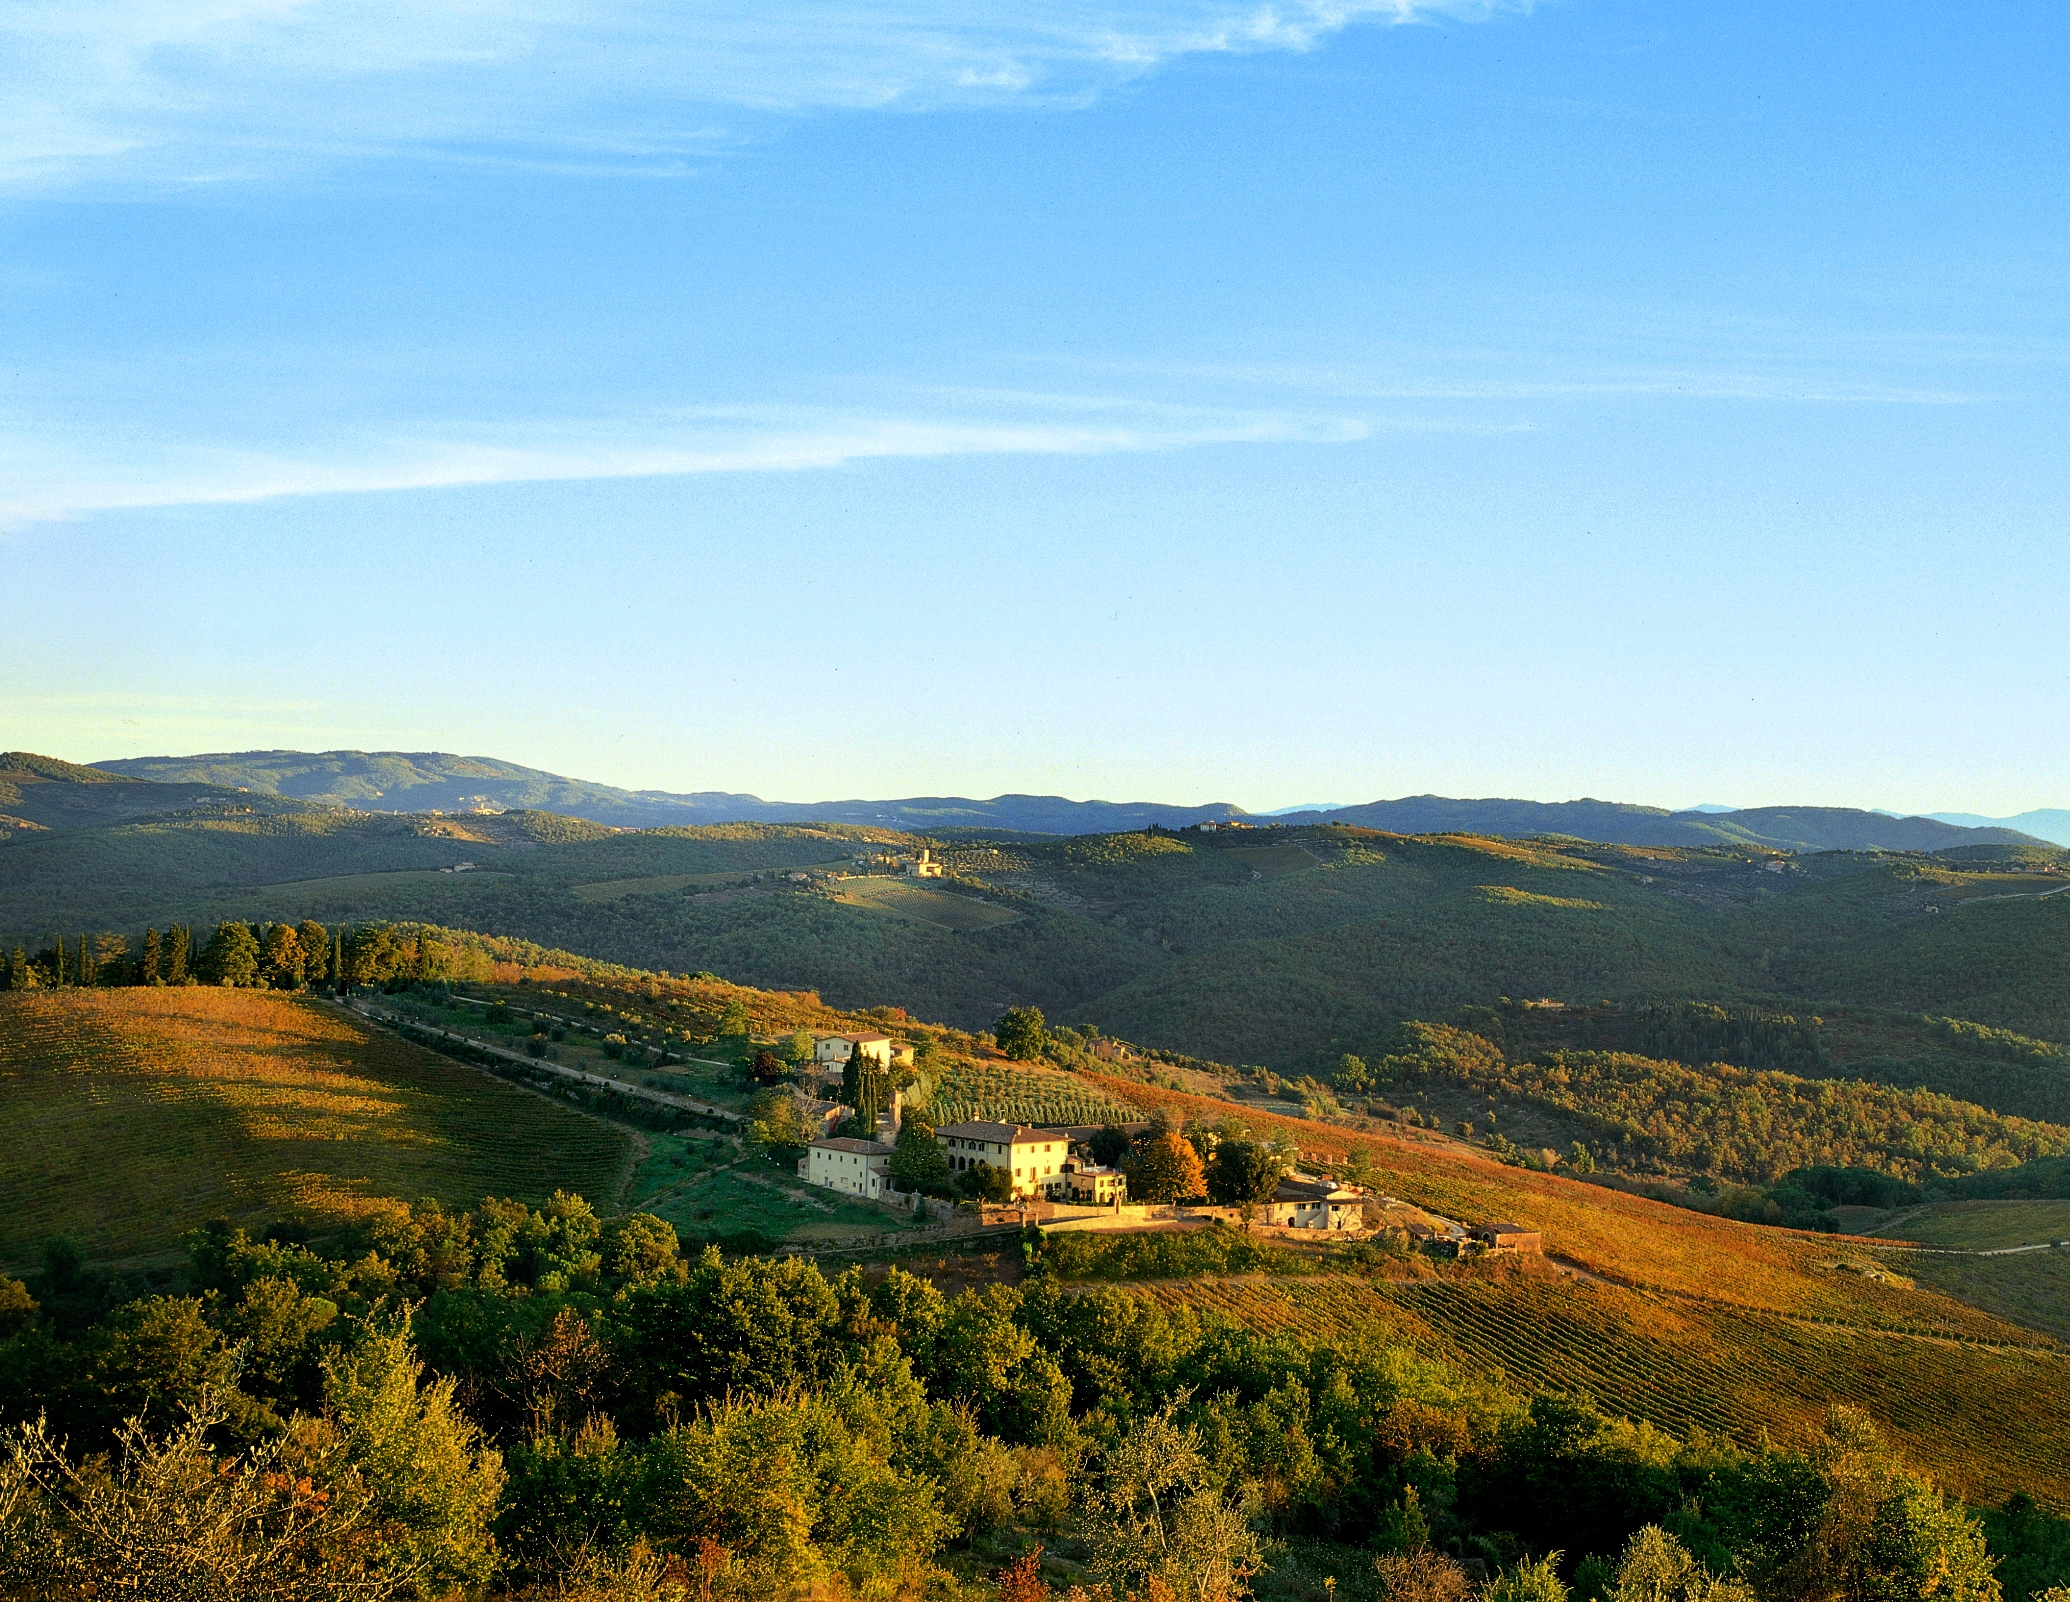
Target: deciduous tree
(918,1161)
(231,956)
(1167,1169)
(1021,1033)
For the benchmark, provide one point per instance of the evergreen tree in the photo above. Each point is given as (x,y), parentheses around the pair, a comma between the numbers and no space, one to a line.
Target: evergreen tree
(872,1097)
(315,941)
(1021,1033)
(151,964)
(17,974)
(918,1161)
(177,947)
(1243,1173)
(58,968)
(231,956)
(83,962)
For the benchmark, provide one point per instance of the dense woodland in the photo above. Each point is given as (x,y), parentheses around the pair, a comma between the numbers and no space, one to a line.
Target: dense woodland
(518,1399)
(1744,1124)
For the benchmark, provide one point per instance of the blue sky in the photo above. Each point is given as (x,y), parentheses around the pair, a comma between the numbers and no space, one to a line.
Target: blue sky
(1141,399)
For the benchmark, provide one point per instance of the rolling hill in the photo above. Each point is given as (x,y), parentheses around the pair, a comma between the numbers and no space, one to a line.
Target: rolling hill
(2047,823)
(258,1106)
(424,781)
(40,793)
(134,1115)
(419,781)
(1286,947)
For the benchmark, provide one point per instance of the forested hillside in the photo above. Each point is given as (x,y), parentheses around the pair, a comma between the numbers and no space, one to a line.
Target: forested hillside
(1284,947)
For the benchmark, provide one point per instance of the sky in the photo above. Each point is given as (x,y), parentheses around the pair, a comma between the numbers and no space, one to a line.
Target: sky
(1133,399)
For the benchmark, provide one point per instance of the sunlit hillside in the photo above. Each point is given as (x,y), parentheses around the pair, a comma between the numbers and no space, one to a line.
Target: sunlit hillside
(134,1115)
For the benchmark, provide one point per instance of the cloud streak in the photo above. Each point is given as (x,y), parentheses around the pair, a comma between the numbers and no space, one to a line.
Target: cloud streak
(771,440)
(199,90)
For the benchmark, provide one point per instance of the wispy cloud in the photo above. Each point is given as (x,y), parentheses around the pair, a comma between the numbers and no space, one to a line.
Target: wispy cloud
(43,486)
(193,90)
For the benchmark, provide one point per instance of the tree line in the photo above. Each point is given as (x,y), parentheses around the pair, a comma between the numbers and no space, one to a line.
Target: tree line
(532,1401)
(266,955)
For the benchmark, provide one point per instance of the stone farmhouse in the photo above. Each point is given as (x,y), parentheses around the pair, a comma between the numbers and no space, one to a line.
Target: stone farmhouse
(1304,1203)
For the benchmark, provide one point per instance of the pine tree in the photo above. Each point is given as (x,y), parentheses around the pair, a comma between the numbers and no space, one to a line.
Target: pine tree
(150,964)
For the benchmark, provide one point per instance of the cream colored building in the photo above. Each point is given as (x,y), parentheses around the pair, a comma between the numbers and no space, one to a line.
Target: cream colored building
(1097,1187)
(853,1167)
(1035,1159)
(1304,1203)
(833,1051)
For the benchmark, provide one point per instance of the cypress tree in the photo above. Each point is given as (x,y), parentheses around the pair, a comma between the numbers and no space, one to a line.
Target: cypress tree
(176,957)
(153,958)
(84,962)
(60,962)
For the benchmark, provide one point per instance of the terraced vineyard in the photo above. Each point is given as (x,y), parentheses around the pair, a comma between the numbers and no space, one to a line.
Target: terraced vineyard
(967,1090)
(134,1115)
(1982,1418)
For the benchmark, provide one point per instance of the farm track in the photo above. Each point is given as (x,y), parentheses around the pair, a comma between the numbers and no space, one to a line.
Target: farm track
(663,1098)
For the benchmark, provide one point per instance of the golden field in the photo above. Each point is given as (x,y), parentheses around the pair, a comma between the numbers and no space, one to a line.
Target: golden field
(134,1115)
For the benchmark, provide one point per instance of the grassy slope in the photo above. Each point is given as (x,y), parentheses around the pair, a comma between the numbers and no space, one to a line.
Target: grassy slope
(1694,1319)
(2028,1287)
(1289,958)
(134,1115)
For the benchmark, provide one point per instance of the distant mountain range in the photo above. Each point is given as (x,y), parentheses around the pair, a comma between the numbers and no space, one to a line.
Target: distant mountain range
(2050,823)
(425,781)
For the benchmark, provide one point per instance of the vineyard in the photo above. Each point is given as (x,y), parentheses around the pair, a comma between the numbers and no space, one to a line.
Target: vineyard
(1626,1239)
(1982,1419)
(134,1115)
(1018,1094)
